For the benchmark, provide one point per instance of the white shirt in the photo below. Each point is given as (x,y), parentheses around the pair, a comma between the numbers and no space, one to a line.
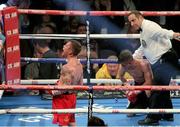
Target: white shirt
(155,41)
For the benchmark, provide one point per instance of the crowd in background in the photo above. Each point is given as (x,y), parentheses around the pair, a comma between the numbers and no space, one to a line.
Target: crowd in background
(100,48)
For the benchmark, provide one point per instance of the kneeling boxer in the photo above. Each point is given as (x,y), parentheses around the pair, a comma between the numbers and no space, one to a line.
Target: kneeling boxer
(141,72)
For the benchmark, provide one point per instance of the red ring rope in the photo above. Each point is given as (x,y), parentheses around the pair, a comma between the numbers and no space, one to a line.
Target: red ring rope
(82,88)
(96,13)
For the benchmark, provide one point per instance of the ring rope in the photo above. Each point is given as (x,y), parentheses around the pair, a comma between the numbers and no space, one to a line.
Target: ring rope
(102,111)
(85,88)
(108,81)
(96,13)
(62,60)
(53,81)
(78,36)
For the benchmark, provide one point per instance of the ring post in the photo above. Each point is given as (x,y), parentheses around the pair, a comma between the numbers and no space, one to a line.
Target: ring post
(90,101)
(12,48)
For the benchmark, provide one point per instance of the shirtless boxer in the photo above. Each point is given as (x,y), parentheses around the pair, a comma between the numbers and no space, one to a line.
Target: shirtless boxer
(71,74)
(141,72)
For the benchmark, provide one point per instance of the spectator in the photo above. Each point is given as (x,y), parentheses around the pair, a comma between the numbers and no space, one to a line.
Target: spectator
(81,29)
(111,71)
(47,19)
(22,4)
(53,44)
(46,70)
(94,67)
(2,70)
(32,71)
(103,5)
(71,26)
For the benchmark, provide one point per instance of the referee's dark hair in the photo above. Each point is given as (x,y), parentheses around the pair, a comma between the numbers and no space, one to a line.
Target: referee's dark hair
(136,13)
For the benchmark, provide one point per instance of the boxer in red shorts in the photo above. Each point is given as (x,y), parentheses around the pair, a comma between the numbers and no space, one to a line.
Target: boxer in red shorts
(71,74)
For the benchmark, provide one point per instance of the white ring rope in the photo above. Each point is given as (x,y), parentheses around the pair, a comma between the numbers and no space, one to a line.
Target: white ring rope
(77,36)
(108,81)
(102,111)
(53,81)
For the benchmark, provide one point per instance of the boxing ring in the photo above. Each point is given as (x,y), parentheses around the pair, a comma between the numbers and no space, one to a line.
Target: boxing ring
(26,110)
(34,102)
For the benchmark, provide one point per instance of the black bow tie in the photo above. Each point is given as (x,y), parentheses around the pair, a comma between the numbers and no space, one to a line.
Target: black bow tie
(140,30)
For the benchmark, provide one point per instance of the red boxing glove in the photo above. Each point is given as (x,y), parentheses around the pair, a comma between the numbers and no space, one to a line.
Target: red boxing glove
(132,96)
(50,91)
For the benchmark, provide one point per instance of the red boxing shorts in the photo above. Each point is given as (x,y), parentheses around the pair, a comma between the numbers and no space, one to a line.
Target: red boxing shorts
(64,101)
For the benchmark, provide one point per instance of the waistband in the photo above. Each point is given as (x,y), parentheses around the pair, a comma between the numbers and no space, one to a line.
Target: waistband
(138,83)
(162,59)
